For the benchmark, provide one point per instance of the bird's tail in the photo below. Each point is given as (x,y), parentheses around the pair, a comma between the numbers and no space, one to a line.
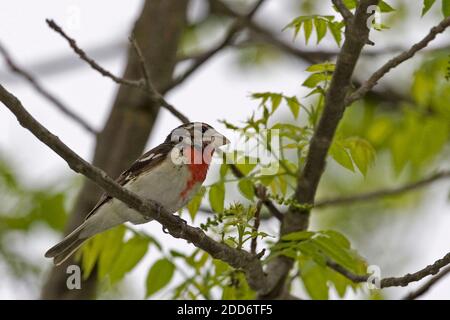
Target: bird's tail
(63,250)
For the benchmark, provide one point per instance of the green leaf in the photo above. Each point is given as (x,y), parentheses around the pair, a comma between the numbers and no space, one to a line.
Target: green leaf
(224,167)
(275,98)
(341,155)
(322,67)
(362,152)
(297,236)
(351,4)
(313,80)
(321,29)
(194,205)
(385,7)
(314,279)
(294,105)
(159,276)
(246,165)
(307,28)
(246,188)
(427,4)
(217,197)
(112,244)
(130,255)
(335,28)
(446,8)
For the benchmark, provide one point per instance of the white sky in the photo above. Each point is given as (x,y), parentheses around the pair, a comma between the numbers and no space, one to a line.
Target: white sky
(217,91)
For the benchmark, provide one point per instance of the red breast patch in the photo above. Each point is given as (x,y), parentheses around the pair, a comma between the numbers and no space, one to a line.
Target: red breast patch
(198,168)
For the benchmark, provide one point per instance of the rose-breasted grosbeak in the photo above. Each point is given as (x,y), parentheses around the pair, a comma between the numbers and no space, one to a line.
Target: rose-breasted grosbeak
(170,174)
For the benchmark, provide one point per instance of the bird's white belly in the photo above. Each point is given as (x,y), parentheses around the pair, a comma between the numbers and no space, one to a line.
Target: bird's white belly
(163,185)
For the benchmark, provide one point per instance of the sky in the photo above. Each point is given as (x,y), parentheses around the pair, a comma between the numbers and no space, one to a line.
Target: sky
(217,91)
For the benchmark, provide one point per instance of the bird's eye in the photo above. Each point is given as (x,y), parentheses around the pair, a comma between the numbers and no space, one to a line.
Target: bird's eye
(204,129)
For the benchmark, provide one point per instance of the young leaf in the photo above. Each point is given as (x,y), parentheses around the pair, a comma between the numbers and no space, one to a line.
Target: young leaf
(321,29)
(427,4)
(340,154)
(322,67)
(307,28)
(217,197)
(362,152)
(385,7)
(314,279)
(313,80)
(159,276)
(297,236)
(246,188)
(195,203)
(131,253)
(446,8)
(294,105)
(113,241)
(335,28)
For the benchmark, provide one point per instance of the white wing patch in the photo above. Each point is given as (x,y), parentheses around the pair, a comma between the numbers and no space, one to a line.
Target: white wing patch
(151,156)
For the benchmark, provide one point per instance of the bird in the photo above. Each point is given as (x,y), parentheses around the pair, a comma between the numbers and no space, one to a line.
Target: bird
(169,174)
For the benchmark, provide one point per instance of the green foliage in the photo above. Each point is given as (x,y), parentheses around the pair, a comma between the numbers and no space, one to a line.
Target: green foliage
(22,209)
(194,205)
(428,4)
(217,197)
(159,276)
(312,251)
(321,24)
(112,255)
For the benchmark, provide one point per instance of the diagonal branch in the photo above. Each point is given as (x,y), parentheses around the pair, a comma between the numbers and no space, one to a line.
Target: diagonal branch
(403,281)
(383,192)
(83,56)
(41,90)
(427,285)
(140,84)
(343,10)
(237,258)
(356,36)
(235,27)
(394,62)
(150,89)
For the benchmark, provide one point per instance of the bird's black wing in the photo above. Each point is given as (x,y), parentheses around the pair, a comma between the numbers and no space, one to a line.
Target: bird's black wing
(144,163)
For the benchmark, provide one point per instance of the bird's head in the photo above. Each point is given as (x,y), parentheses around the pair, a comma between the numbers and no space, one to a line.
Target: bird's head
(198,135)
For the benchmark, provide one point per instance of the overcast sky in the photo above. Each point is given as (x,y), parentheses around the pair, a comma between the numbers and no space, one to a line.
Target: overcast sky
(217,91)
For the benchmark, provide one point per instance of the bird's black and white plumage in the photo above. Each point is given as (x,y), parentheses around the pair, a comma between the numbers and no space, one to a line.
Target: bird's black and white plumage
(170,174)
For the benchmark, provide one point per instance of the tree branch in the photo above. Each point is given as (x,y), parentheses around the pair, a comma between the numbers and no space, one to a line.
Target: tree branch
(394,62)
(383,192)
(149,88)
(403,281)
(343,10)
(427,285)
(356,36)
(235,27)
(143,84)
(41,90)
(237,258)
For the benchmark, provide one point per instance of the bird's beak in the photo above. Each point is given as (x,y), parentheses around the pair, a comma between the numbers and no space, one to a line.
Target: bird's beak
(219,140)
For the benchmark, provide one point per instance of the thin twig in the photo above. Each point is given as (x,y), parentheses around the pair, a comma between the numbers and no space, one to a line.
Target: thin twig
(154,94)
(239,259)
(235,27)
(296,219)
(254,242)
(343,10)
(73,44)
(44,92)
(402,281)
(427,285)
(383,192)
(394,62)
(141,84)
